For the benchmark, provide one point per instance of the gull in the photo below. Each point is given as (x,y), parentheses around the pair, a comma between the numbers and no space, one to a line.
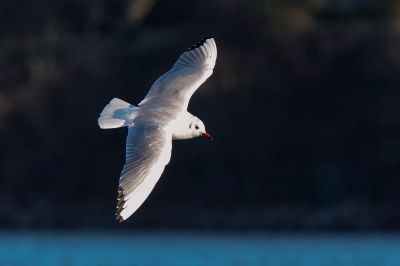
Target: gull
(158,119)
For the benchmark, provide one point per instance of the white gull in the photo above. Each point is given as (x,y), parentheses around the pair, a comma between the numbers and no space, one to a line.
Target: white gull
(159,118)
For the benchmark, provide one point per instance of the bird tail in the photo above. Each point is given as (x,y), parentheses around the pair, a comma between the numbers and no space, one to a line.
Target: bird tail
(117,113)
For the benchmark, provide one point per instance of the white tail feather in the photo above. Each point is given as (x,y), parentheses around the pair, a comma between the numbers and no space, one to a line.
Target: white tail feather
(117,113)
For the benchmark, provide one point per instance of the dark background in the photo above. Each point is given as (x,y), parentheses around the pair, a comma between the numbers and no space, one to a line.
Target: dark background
(304,107)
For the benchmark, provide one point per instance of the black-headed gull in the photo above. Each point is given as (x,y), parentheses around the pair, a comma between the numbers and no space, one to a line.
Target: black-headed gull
(159,118)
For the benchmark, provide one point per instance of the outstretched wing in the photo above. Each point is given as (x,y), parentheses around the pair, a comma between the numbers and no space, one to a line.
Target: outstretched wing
(148,150)
(193,67)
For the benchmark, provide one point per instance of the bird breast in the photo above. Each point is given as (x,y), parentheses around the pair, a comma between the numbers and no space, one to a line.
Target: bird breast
(180,127)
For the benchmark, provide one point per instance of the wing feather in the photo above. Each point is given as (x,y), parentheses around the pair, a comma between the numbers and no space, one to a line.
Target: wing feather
(148,150)
(175,88)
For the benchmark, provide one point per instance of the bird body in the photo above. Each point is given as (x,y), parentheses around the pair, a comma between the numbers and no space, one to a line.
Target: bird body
(159,118)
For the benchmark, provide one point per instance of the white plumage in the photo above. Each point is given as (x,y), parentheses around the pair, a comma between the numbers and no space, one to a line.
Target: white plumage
(159,118)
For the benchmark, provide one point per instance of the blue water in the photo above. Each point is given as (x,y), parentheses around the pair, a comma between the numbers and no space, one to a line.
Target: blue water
(195,249)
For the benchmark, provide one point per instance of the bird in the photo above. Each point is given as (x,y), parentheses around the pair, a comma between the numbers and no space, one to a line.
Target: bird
(158,119)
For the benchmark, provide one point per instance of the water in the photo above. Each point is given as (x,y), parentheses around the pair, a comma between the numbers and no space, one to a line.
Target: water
(195,249)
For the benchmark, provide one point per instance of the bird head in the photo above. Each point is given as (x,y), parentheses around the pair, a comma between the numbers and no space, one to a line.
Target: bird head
(198,129)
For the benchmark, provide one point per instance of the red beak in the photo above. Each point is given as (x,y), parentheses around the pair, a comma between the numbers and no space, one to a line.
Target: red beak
(207,135)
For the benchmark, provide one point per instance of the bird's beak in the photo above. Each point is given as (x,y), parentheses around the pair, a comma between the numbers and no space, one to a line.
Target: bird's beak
(207,135)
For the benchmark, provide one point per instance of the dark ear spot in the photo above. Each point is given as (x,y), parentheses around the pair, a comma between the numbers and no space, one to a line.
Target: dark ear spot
(190,125)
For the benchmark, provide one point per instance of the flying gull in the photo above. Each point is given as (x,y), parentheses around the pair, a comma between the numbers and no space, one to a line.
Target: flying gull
(159,118)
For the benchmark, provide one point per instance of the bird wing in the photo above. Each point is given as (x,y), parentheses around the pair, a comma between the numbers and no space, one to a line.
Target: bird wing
(193,67)
(148,150)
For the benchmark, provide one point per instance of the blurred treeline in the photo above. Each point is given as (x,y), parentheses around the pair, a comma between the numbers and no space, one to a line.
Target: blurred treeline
(304,106)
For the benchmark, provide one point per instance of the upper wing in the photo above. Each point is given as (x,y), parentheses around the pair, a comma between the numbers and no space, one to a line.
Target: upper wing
(148,150)
(192,68)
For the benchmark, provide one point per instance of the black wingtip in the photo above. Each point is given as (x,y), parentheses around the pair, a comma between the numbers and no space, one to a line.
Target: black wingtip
(119,219)
(120,205)
(200,43)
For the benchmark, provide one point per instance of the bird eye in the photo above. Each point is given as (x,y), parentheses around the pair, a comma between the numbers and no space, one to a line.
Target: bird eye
(196,127)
